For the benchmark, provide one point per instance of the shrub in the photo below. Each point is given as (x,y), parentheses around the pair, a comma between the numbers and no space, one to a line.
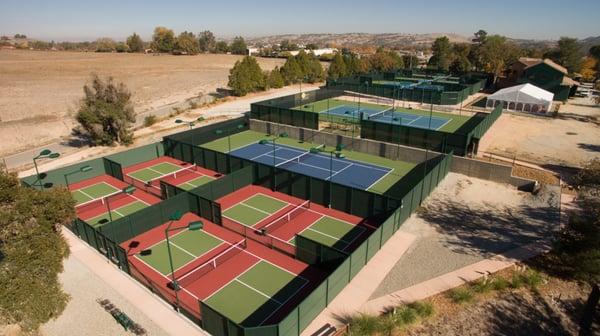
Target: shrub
(405,315)
(532,278)
(150,120)
(363,324)
(500,284)
(422,308)
(246,76)
(516,281)
(461,295)
(482,285)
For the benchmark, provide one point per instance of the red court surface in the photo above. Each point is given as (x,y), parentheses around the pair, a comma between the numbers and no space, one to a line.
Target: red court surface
(281,236)
(187,172)
(227,270)
(98,207)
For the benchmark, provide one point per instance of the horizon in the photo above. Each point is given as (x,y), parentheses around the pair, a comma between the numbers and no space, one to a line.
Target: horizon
(66,20)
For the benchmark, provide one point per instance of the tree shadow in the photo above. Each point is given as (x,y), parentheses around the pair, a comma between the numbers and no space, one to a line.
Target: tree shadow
(578,117)
(515,315)
(589,147)
(487,230)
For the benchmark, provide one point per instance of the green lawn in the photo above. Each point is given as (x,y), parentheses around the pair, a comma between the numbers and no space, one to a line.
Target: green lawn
(399,168)
(456,121)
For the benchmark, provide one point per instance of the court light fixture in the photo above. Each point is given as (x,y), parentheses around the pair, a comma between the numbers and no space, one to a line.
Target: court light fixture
(82,169)
(44,154)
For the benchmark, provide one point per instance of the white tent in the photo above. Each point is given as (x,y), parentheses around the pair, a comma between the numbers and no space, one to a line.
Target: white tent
(523,98)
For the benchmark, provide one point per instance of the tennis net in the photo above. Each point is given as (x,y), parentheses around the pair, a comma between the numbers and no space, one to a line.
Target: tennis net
(281,221)
(210,265)
(298,158)
(153,186)
(98,202)
(386,112)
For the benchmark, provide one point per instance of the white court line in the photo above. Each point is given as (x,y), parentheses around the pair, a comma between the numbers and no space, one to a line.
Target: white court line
(444,124)
(88,195)
(257,209)
(379,179)
(164,276)
(412,121)
(339,171)
(235,278)
(184,250)
(267,153)
(259,292)
(288,299)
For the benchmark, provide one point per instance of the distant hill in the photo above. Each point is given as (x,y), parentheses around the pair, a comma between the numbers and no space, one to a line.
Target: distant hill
(359,39)
(589,42)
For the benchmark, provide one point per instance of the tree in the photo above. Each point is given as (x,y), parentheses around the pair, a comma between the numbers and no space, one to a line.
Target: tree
(442,54)
(275,79)
(310,67)
(475,53)
(410,61)
(135,43)
(221,47)
(20,36)
(32,250)
(187,43)
(121,47)
(286,45)
(569,54)
(588,69)
(461,63)
(337,68)
(207,41)
(493,54)
(105,44)
(238,46)
(291,71)
(312,46)
(246,76)
(163,40)
(105,113)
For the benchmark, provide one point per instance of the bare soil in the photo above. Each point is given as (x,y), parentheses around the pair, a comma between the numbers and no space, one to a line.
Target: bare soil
(40,90)
(553,309)
(570,139)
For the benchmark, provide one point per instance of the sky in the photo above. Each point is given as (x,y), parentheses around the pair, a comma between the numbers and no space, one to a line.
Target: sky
(87,20)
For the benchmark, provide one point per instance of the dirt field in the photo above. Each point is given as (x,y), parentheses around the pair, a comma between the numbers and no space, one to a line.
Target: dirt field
(570,139)
(39,90)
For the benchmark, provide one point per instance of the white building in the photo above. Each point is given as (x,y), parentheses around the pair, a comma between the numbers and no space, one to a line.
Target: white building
(317,52)
(252,51)
(522,98)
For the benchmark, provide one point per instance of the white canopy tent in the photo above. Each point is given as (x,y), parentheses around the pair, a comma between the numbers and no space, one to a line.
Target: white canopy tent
(522,98)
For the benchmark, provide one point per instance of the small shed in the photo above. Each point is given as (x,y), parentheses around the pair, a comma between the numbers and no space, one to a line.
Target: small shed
(522,98)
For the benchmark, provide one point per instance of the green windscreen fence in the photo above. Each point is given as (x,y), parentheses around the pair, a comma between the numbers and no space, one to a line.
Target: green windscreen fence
(106,246)
(137,155)
(61,176)
(207,133)
(125,228)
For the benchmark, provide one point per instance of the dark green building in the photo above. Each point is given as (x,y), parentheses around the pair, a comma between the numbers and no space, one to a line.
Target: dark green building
(544,74)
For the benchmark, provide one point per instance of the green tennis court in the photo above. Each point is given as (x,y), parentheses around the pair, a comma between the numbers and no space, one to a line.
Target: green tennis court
(93,192)
(117,213)
(186,246)
(331,232)
(153,172)
(263,289)
(254,209)
(195,183)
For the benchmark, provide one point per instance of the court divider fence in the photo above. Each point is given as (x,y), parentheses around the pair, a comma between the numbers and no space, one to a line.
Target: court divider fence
(391,209)
(61,176)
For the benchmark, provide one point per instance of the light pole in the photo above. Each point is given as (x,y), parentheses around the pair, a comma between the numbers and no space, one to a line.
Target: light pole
(262,142)
(229,134)
(127,190)
(45,153)
(82,169)
(338,154)
(192,226)
(189,123)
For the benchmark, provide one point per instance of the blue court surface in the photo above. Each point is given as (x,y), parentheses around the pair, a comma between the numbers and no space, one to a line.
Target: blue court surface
(350,111)
(347,172)
(411,120)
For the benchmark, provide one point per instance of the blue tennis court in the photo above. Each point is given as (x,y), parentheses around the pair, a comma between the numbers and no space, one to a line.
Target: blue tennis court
(411,120)
(347,172)
(350,111)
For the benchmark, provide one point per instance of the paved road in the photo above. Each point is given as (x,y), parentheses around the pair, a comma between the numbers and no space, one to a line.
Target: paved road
(236,106)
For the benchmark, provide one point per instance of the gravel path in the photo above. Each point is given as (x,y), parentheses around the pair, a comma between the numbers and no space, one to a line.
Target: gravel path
(466,220)
(83,315)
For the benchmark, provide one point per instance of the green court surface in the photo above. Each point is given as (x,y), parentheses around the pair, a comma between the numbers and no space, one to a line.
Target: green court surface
(93,192)
(263,289)
(195,183)
(186,246)
(399,168)
(456,121)
(254,209)
(117,213)
(331,232)
(155,171)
